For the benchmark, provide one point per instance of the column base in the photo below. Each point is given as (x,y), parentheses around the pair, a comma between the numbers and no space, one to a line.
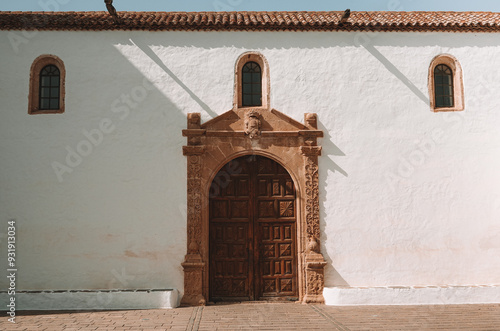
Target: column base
(314,299)
(192,301)
(193,281)
(315,264)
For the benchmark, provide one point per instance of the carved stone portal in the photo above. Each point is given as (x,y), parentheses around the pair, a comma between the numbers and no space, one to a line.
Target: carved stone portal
(233,134)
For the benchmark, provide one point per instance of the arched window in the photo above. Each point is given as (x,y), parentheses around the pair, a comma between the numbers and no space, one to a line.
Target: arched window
(251,81)
(49,88)
(445,84)
(47,85)
(251,85)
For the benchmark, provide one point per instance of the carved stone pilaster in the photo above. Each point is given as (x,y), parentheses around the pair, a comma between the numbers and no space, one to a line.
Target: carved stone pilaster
(312,199)
(193,264)
(312,192)
(314,261)
(194,197)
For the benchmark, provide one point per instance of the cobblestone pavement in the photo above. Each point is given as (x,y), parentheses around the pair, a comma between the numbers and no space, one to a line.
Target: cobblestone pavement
(267,316)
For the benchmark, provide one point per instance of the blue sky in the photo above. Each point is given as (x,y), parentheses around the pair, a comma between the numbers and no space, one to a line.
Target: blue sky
(229,5)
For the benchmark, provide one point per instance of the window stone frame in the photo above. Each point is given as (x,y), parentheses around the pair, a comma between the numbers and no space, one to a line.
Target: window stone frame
(264,66)
(34,90)
(458,86)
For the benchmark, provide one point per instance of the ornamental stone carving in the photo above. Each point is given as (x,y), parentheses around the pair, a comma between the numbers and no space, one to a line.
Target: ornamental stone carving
(314,281)
(194,203)
(312,200)
(274,135)
(252,123)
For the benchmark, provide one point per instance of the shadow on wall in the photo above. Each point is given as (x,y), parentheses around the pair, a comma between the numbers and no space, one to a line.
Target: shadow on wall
(122,201)
(360,40)
(328,165)
(396,72)
(152,55)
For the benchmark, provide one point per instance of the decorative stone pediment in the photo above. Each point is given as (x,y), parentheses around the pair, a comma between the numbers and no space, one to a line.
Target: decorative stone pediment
(234,120)
(263,127)
(252,131)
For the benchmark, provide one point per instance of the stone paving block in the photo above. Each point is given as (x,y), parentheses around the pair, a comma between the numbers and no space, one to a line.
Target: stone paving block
(266,316)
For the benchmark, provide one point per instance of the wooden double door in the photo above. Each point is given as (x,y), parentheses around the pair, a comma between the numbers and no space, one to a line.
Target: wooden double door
(253,234)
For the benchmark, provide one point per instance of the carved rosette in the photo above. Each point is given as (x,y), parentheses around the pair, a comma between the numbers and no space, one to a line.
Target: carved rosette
(315,262)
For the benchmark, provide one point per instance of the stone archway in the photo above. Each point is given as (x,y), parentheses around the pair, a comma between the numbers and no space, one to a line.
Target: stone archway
(263,132)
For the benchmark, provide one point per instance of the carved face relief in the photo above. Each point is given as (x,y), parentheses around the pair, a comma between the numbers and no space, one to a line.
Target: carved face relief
(252,123)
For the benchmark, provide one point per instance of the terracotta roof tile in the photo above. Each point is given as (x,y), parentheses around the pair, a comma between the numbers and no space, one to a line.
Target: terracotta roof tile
(267,21)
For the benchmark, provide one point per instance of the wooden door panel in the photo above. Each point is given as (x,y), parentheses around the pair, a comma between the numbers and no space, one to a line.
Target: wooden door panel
(253,231)
(229,259)
(276,234)
(277,259)
(230,269)
(266,209)
(287,208)
(239,209)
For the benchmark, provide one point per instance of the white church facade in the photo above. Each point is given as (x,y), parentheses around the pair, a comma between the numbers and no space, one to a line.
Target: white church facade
(154,159)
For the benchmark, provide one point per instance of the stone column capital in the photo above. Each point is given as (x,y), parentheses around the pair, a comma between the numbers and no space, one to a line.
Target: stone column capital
(193,150)
(310,150)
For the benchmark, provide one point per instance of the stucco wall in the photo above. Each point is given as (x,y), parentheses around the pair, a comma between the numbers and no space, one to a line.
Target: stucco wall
(408,197)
